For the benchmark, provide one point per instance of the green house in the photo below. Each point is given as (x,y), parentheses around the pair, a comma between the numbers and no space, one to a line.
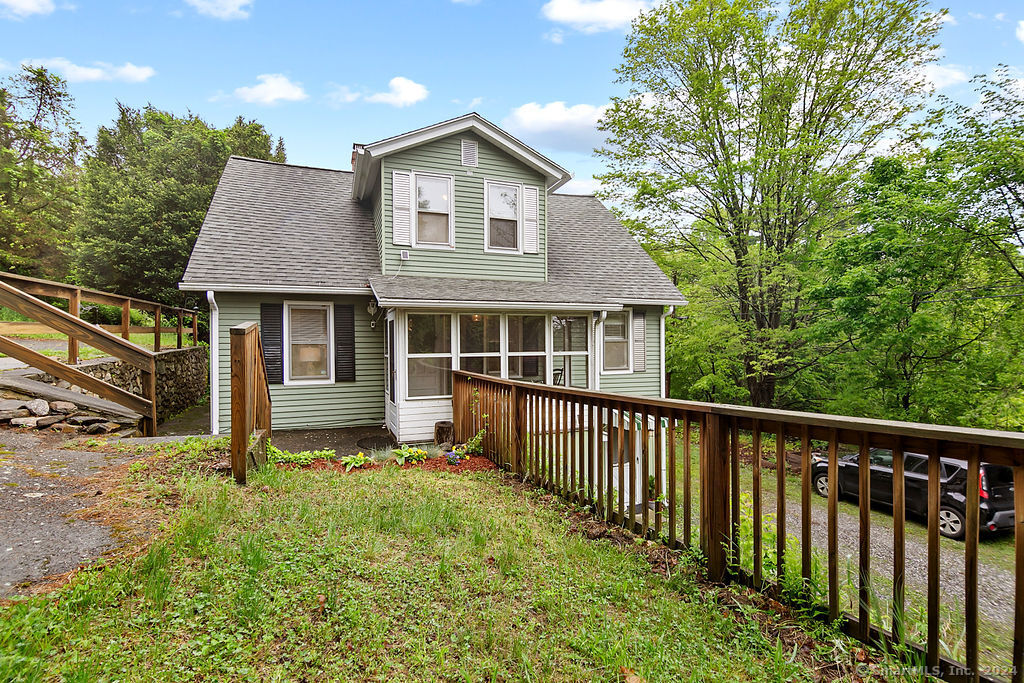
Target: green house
(445,247)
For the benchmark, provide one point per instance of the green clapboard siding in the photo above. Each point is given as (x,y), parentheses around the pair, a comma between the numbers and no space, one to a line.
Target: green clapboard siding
(469,259)
(342,404)
(647,383)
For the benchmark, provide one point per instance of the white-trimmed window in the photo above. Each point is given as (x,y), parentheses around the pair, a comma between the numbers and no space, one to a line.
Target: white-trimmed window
(527,348)
(618,340)
(503,212)
(429,351)
(480,344)
(433,211)
(570,351)
(309,342)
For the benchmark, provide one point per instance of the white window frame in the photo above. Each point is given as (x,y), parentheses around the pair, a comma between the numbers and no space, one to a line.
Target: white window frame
(287,339)
(629,343)
(452,352)
(545,353)
(487,217)
(416,175)
(568,354)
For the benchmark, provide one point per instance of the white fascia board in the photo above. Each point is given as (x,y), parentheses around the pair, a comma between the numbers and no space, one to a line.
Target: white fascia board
(485,129)
(495,305)
(651,302)
(272,289)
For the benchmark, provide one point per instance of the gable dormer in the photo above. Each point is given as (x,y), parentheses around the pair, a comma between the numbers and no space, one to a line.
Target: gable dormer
(461,198)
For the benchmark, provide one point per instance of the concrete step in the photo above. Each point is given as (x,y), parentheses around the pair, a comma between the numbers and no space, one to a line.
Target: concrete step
(15,380)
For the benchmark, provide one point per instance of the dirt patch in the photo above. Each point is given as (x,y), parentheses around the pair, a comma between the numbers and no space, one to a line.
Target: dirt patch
(776,620)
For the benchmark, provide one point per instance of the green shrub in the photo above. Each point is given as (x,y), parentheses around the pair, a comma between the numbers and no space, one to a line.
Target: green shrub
(277,455)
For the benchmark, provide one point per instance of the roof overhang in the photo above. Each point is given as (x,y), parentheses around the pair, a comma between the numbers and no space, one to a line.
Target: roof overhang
(495,305)
(271,289)
(367,157)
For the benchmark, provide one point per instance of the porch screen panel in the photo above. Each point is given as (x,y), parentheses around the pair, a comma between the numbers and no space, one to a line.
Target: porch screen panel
(480,344)
(429,365)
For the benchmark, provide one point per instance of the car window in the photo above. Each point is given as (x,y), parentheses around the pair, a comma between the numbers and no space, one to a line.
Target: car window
(915,464)
(997,475)
(881,456)
(949,470)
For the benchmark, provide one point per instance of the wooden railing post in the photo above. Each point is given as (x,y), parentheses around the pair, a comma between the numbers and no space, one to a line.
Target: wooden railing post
(126,319)
(241,384)
(714,496)
(517,403)
(74,308)
(149,419)
(181,329)
(195,328)
(157,314)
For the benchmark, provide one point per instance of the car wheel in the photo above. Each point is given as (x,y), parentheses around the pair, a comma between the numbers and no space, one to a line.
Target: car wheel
(821,485)
(951,523)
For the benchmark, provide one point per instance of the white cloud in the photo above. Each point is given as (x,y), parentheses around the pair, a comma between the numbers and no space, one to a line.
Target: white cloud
(592,16)
(1001,16)
(1020,31)
(19,9)
(580,186)
(556,125)
(97,71)
(402,92)
(222,9)
(470,104)
(341,94)
(272,88)
(556,36)
(941,17)
(466,2)
(975,15)
(944,75)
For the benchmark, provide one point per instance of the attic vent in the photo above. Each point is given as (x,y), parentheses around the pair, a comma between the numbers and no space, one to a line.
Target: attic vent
(469,157)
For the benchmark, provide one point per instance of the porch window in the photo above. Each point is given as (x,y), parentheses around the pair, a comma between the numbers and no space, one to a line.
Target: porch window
(433,210)
(308,333)
(502,216)
(570,351)
(429,343)
(616,342)
(527,347)
(480,344)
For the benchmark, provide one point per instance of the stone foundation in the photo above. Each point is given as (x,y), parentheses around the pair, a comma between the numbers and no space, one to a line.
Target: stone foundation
(182,378)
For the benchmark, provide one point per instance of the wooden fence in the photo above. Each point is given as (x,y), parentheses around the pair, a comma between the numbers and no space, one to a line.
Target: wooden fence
(75,296)
(620,454)
(250,401)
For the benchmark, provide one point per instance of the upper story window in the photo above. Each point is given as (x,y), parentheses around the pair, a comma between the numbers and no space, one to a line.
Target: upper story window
(434,211)
(503,216)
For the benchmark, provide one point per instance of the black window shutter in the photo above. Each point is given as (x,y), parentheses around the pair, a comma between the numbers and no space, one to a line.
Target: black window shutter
(271,321)
(344,343)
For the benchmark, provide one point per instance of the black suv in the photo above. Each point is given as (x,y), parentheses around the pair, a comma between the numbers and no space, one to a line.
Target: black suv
(995,487)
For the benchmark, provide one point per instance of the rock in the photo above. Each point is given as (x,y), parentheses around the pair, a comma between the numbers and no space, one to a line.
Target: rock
(65,428)
(12,414)
(38,406)
(11,404)
(75,388)
(63,384)
(64,407)
(83,420)
(102,428)
(446,447)
(48,420)
(24,422)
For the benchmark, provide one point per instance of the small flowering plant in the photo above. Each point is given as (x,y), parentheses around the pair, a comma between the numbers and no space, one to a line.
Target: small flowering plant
(456,456)
(360,459)
(409,453)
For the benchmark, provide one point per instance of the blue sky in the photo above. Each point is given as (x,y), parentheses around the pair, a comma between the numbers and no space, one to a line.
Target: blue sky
(325,75)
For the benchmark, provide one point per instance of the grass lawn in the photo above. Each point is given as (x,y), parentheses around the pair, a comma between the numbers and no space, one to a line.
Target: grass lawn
(380,575)
(168,340)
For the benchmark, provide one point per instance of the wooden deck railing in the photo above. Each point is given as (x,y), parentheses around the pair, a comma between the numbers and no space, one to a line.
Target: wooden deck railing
(630,458)
(250,401)
(75,296)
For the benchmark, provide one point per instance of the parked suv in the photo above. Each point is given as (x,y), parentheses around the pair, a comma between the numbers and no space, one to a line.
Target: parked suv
(995,487)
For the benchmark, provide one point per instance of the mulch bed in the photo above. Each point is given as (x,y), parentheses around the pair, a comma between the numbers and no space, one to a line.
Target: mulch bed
(474,464)
(776,620)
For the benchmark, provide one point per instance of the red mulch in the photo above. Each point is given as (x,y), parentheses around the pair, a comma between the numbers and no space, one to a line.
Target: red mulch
(474,464)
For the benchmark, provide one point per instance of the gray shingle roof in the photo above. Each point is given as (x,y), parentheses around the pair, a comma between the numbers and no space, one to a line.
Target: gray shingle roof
(279,226)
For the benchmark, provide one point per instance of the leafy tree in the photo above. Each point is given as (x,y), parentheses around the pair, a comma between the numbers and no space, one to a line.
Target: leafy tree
(902,290)
(146,189)
(740,139)
(39,149)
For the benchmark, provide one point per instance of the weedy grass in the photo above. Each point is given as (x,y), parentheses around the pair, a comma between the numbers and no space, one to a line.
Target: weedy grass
(394,574)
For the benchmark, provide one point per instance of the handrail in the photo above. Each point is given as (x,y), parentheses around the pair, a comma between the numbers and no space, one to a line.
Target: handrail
(41,287)
(629,458)
(250,401)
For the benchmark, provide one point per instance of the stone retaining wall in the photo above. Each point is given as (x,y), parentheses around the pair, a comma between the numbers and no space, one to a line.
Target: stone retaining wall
(182,377)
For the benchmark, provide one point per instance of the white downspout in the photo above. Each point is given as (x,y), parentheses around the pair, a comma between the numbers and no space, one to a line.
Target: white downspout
(214,364)
(666,313)
(599,350)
